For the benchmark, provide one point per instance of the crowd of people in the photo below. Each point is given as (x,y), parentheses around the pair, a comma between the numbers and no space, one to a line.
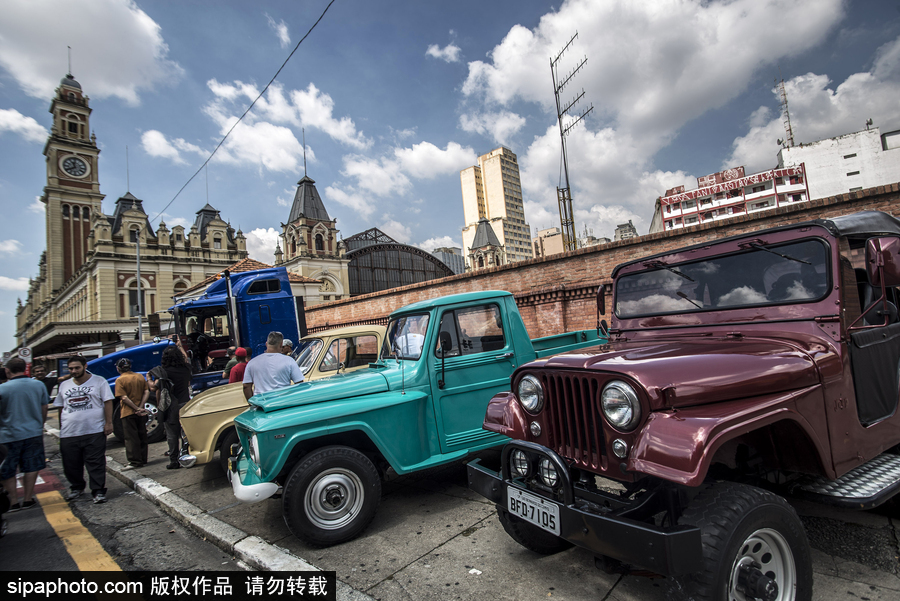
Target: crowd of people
(86,403)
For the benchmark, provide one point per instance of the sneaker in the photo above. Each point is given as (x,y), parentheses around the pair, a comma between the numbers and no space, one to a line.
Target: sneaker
(29,504)
(173,466)
(14,507)
(73,494)
(99,498)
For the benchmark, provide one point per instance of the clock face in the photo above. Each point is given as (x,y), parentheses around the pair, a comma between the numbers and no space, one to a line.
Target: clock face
(74,166)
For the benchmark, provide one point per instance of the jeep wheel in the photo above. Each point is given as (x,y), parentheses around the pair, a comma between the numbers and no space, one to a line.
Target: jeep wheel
(331,496)
(229,438)
(754,547)
(529,536)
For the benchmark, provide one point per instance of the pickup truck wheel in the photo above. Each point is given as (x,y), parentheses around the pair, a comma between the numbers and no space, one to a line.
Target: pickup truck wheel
(229,438)
(331,496)
(530,536)
(754,547)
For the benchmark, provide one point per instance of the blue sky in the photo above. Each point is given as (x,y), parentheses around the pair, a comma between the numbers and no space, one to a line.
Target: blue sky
(397,97)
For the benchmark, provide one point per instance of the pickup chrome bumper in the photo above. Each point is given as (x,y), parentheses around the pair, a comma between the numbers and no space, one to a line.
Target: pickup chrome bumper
(246,487)
(669,551)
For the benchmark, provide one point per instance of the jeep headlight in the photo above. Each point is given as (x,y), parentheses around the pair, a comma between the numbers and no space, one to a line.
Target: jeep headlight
(531,394)
(620,405)
(254,449)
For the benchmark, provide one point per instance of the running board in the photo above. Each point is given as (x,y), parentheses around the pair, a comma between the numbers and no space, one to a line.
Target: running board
(863,487)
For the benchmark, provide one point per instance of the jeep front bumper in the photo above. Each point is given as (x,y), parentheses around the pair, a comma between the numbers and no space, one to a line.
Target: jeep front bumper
(669,551)
(245,484)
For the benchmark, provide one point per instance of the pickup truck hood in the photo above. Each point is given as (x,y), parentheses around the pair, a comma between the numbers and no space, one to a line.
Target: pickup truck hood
(332,388)
(695,372)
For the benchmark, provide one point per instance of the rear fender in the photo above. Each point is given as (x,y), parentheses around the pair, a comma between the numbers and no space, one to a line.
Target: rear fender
(679,446)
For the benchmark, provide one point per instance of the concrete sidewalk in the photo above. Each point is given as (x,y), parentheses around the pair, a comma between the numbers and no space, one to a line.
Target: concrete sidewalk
(432,538)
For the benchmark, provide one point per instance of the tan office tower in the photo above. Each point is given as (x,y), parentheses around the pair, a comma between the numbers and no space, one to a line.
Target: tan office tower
(492,190)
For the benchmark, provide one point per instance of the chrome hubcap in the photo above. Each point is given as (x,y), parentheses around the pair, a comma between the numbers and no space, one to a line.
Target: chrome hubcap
(334,499)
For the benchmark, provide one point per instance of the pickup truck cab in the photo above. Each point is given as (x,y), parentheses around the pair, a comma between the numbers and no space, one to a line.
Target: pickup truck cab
(329,443)
(207,419)
(737,371)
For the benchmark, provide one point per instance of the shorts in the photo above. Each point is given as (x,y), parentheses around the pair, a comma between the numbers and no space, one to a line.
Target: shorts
(26,454)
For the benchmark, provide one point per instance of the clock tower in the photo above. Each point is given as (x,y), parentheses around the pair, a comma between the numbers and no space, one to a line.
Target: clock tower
(72,194)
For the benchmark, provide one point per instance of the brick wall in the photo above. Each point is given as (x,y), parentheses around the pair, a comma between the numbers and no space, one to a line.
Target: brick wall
(557,293)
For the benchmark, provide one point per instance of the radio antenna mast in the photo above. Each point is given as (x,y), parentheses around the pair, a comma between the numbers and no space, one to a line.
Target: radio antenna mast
(785,115)
(564,195)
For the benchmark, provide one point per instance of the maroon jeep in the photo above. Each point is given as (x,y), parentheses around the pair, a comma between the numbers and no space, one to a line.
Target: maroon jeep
(735,368)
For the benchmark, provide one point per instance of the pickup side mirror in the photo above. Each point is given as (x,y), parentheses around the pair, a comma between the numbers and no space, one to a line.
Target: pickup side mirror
(446,342)
(883,261)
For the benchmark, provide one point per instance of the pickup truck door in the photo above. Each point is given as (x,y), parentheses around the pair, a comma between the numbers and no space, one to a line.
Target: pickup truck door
(478,365)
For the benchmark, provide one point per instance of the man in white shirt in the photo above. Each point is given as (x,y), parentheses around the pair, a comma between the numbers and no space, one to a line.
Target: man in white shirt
(86,419)
(271,370)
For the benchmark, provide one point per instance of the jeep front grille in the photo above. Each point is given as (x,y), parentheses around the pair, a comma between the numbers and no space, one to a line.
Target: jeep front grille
(574,424)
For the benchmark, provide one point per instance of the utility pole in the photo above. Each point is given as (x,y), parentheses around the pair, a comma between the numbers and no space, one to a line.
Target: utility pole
(564,195)
(140,301)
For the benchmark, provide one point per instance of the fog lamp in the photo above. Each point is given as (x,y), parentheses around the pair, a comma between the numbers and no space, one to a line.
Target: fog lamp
(548,473)
(519,463)
(535,429)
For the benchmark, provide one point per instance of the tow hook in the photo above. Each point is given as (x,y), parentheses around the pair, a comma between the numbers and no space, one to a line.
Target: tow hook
(756,585)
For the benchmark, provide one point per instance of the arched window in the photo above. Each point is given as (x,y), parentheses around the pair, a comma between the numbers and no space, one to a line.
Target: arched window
(293,246)
(76,213)
(133,235)
(85,213)
(320,243)
(65,210)
(481,261)
(217,243)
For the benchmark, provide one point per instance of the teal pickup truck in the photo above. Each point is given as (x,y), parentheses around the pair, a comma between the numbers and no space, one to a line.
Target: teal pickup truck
(328,443)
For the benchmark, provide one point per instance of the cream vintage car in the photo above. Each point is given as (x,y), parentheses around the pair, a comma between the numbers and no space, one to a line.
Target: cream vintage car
(207,418)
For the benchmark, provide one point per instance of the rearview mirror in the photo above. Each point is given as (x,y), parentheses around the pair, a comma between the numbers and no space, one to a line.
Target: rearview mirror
(883,261)
(601,299)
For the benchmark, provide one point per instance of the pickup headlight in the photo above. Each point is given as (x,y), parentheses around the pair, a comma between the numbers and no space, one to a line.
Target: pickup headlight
(254,449)
(531,394)
(620,405)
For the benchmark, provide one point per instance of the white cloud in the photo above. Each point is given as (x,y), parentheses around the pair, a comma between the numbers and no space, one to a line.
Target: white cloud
(396,230)
(448,54)
(261,244)
(652,67)
(500,125)
(13,121)
(118,50)
(818,111)
(281,31)
(316,110)
(172,221)
(13,283)
(10,247)
(286,198)
(377,176)
(426,161)
(37,206)
(350,198)
(438,242)
(155,144)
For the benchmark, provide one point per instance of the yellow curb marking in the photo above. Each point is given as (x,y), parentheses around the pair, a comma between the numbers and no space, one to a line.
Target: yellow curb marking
(86,550)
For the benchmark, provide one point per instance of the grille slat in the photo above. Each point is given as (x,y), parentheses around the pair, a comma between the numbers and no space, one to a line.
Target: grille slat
(576,429)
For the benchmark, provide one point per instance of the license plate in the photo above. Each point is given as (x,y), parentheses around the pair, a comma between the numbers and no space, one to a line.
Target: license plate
(533,509)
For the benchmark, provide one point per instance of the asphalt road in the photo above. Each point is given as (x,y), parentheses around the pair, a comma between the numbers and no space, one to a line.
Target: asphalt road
(134,532)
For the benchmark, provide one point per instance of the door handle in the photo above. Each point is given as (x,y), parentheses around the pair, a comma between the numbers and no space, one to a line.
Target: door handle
(505,355)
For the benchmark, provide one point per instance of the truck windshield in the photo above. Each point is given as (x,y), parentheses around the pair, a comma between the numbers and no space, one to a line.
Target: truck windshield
(307,352)
(761,275)
(405,337)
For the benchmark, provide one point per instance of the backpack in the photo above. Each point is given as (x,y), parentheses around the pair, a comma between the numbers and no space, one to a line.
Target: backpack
(164,397)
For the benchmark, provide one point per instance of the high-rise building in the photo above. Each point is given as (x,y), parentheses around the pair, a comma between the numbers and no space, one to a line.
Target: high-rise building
(492,190)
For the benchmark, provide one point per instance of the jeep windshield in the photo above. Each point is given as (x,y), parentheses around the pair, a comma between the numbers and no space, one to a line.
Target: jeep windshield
(761,275)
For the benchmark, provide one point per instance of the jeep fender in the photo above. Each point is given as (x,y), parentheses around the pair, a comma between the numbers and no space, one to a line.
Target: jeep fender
(679,445)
